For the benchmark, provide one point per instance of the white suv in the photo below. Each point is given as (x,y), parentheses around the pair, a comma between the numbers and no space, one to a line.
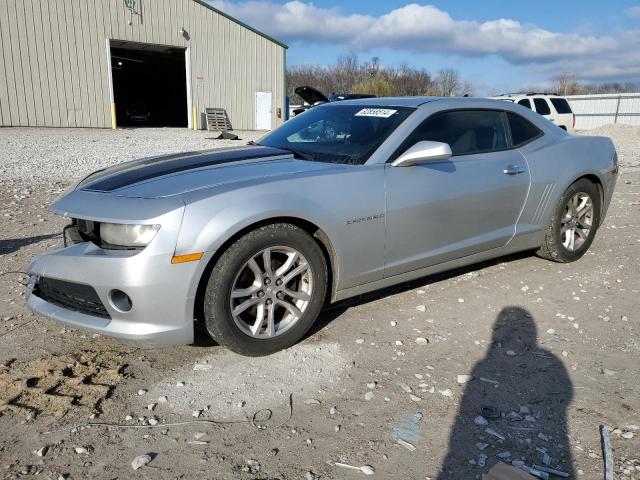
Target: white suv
(550,106)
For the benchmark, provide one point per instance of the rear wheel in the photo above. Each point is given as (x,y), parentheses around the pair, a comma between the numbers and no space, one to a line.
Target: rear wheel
(266,290)
(574,223)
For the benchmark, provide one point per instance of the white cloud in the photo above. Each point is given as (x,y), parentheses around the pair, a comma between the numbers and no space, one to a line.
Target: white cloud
(427,29)
(633,12)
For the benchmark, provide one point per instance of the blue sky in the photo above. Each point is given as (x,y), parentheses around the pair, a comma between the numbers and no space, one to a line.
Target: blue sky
(501,45)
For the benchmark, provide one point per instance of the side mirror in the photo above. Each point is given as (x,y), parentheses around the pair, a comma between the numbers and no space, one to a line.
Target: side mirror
(423,152)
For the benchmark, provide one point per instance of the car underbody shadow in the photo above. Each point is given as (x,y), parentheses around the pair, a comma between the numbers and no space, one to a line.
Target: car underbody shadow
(333,311)
(201,337)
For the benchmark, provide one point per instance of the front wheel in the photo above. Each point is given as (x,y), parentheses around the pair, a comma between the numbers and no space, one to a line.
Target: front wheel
(266,290)
(574,223)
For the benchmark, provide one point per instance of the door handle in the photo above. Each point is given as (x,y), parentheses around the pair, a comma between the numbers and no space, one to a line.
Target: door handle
(513,170)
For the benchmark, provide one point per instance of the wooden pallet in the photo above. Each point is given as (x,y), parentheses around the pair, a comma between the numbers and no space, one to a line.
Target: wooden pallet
(217,119)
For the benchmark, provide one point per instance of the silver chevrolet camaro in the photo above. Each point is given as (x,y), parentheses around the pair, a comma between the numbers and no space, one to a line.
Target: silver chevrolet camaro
(344,199)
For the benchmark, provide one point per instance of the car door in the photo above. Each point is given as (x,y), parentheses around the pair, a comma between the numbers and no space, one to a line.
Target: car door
(447,209)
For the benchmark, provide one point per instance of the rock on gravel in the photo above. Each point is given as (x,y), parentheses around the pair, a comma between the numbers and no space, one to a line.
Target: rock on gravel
(140,461)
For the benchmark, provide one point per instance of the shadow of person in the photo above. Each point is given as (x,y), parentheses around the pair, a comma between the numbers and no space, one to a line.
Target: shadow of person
(528,390)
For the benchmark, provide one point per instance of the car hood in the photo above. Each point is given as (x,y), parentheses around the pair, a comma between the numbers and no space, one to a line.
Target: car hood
(184,172)
(311,95)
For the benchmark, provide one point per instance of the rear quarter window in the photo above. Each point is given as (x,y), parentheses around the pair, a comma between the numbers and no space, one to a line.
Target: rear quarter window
(561,105)
(525,103)
(542,107)
(522,130)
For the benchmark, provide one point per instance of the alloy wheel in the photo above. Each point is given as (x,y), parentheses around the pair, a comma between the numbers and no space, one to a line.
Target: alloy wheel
(577,221)
(271,292)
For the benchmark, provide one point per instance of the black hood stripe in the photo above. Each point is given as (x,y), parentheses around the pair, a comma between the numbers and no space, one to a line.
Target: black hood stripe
(128,174)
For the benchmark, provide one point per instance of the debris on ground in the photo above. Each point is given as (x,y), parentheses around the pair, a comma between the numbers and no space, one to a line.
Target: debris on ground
(492,432)
(83,450)
(408,431)
(252,467)
(552,471)
(607,453)
(366,469)
(462,379)
(409,446)
(503,471)
(481,421)
(41,452)
(140,461)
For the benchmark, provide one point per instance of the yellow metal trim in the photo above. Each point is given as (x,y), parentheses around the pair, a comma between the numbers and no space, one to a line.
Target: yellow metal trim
(113,115)
(189,257)
(195,118)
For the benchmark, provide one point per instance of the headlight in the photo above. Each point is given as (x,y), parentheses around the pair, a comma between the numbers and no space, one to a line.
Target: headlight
(123,235)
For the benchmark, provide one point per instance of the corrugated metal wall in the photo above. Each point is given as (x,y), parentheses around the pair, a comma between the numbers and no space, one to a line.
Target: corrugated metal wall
(54,59)
(593,111)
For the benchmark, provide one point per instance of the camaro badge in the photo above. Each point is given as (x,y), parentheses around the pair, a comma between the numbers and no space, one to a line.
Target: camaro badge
(377,216)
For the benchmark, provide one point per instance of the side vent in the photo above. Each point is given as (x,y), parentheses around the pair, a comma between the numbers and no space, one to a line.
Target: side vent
(544,201)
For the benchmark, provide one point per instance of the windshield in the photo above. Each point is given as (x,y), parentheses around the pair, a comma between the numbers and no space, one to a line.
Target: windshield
(346,134)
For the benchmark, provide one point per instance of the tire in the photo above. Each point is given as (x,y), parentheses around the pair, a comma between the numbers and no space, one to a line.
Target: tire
(231,324)
(554,246)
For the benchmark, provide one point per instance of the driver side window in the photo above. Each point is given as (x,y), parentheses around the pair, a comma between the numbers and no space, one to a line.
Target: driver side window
(466,131)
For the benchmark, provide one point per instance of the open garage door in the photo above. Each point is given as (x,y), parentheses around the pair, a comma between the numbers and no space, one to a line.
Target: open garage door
(149,85)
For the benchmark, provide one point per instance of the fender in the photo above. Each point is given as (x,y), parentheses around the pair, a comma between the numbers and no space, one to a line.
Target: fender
(330,202)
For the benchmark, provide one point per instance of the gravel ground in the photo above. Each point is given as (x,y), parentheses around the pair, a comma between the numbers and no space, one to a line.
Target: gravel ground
(626,139)
(555,347)
(46,154)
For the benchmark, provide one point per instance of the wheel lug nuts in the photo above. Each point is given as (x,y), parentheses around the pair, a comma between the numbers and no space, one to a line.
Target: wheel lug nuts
(267,281)
(278,282)
(261,294)
(269,301)
(280,295)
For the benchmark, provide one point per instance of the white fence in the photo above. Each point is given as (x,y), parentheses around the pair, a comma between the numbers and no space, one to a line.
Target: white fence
(592,111)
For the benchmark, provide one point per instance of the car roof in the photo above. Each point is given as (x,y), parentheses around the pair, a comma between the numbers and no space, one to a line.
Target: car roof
(390,101)
(527,95)
(447,102)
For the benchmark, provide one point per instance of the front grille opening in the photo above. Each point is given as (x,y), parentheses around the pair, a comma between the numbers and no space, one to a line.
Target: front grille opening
(72,296)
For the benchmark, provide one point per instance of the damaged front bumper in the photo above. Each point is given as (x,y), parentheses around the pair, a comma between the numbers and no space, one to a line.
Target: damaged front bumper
(135,295)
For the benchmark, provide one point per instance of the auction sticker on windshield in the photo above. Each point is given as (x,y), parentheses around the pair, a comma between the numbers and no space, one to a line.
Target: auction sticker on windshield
(375,112)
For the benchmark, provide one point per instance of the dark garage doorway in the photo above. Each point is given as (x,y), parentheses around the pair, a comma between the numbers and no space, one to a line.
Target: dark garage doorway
(149,85)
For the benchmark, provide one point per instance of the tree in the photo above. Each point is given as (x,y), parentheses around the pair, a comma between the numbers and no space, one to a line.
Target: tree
(447,82)
(466,88)
(378,86)
(407,81)
(345,73)
(566,83)
(348,75)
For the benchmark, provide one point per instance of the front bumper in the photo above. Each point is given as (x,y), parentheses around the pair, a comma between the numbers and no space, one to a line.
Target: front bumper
(162,294)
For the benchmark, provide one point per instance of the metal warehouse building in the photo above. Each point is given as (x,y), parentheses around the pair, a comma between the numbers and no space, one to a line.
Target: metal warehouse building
(108,63)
